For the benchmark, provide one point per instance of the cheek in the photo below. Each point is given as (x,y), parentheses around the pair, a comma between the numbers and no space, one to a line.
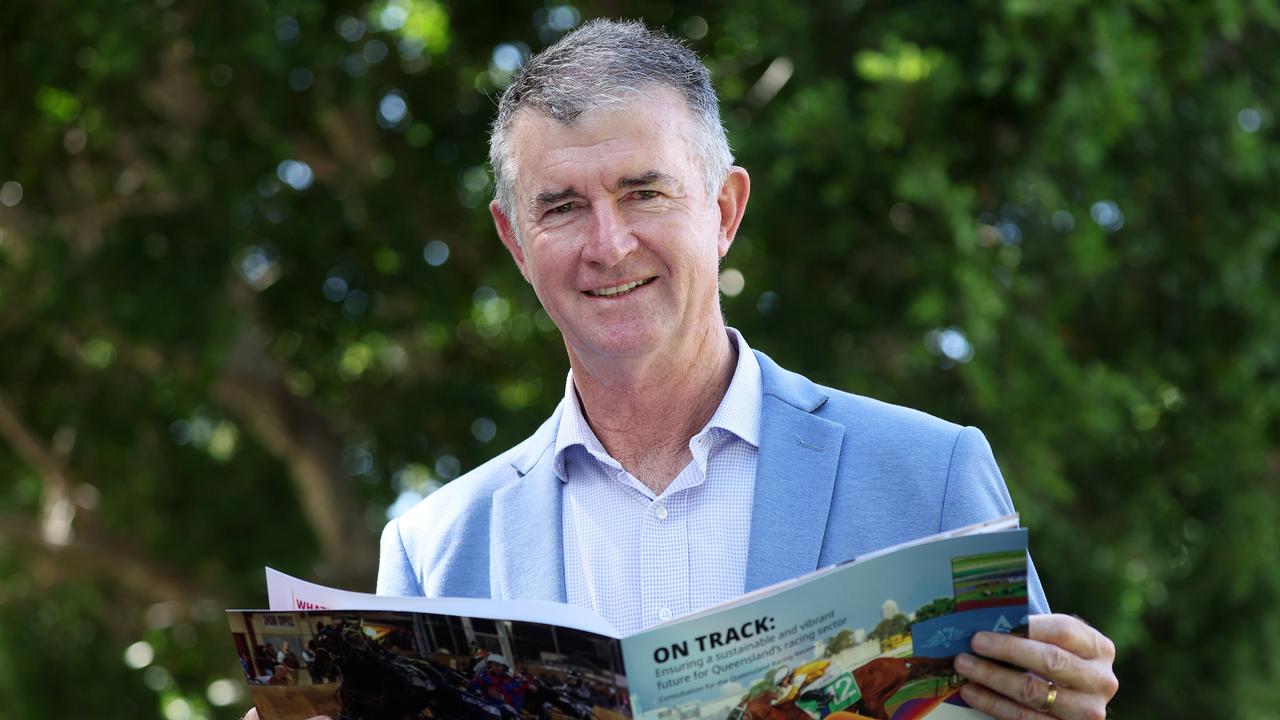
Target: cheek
(549,263)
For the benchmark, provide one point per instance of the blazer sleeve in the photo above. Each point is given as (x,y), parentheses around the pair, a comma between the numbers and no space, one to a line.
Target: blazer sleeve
(975,492)
(395,572)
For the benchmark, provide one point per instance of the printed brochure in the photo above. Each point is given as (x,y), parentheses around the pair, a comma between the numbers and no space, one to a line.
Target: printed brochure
(871,638)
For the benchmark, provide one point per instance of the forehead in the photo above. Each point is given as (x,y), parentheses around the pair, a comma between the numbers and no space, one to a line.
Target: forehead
(651,132)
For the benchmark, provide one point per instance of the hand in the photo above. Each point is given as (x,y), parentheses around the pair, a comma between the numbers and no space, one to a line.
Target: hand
(1062,653)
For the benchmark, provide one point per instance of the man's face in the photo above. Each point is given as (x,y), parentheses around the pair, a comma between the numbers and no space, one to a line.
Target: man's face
(619,237)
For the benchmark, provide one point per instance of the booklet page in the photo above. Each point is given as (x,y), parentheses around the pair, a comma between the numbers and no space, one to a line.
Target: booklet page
(875,638)
(285,592)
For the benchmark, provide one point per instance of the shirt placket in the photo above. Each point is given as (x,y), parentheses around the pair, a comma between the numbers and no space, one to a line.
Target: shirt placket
(664,561)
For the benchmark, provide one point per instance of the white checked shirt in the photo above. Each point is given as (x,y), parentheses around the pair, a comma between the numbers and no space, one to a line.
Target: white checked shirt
(639,559)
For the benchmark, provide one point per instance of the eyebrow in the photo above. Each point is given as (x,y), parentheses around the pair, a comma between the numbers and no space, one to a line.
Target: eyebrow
(545,198)
(548,198)
(653,177)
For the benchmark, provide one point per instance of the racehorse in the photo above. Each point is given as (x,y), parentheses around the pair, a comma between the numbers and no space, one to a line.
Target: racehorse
(879,679)
(380,685)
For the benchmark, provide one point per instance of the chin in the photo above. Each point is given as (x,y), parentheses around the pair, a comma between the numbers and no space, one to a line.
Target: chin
(622,344)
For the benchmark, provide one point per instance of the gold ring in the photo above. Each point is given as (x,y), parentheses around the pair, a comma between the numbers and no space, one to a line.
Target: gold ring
(1049,698)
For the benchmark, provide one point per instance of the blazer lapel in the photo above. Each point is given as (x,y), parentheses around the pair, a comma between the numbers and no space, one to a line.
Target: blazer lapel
(526,541)
(795,477)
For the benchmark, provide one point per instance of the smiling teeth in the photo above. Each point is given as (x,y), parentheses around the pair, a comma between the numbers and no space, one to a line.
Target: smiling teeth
(607,292)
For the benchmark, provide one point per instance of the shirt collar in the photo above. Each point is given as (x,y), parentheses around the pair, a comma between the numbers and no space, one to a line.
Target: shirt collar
(738,412)
(574,430)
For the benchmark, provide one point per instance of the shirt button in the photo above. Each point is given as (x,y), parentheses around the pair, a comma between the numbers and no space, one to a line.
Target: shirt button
(661,512)
(664,614)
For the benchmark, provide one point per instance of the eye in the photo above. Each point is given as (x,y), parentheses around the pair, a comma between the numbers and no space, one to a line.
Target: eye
(645,194)
(561,209)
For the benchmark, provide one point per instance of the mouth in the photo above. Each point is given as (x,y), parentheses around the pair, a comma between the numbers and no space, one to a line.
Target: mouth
(618,290)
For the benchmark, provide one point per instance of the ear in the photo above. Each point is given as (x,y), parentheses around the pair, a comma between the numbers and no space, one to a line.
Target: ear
(507,232)
(733,203)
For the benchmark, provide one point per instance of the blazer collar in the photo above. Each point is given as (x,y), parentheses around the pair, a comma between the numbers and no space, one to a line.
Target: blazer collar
(795,477)
(526,559)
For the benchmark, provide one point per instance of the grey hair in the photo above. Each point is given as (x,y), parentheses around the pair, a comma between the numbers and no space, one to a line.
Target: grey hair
(601,64)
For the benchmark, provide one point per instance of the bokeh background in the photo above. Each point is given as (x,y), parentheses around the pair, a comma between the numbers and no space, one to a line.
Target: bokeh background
(251,303)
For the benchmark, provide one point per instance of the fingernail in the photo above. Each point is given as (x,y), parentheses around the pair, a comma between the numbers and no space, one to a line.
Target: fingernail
(964,663)
(981,641)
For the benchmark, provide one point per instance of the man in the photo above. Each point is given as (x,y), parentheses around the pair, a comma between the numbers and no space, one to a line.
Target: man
(682,469)
(495,684)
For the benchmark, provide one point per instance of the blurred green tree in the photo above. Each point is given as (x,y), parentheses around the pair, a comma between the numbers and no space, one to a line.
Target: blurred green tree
(935,608)
(250,299)
(840,642)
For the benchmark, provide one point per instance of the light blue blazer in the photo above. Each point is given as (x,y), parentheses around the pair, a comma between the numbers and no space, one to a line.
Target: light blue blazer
(838,476)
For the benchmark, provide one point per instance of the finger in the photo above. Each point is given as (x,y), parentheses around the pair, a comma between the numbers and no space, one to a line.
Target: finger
(1021,687)
(998,706)
(1046,660)
(1074,634)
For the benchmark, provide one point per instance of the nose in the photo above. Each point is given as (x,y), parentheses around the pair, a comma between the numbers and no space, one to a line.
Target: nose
(611,240)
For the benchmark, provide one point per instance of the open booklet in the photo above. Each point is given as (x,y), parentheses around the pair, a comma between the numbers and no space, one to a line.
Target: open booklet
(871,638)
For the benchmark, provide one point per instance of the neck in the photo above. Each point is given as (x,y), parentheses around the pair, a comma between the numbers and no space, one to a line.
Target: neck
(645,411)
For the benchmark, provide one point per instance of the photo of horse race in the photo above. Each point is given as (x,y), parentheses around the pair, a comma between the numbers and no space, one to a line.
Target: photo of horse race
(897,665)
(402,666)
